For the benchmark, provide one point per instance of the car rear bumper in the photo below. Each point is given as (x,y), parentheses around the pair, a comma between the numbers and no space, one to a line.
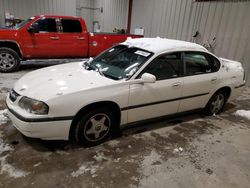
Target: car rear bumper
(237,91)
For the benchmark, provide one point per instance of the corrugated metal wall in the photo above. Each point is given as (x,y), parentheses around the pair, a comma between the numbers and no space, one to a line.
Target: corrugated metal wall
(26,8)
(85,9)
(115,14)
(109,13)
(227,20)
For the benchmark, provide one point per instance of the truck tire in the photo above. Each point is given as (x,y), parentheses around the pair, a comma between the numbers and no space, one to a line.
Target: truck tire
(94,127)
(9,60)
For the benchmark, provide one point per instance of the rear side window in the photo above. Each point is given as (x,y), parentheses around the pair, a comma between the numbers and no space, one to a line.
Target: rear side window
(200,63)
(165,66)
(71,26)
(47,25)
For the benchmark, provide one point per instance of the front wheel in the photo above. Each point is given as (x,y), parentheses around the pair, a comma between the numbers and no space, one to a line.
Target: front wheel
(216,103)
(9,60)
(95,127)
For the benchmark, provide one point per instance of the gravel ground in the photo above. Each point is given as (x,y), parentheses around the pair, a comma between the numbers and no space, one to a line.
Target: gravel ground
(188,151)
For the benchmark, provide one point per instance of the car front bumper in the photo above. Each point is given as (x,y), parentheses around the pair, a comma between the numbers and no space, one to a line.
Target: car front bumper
(43,128)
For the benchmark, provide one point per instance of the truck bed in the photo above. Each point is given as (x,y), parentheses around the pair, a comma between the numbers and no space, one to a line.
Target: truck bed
(99,42)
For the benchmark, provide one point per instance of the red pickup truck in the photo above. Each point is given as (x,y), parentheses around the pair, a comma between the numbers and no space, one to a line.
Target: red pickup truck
(44,36)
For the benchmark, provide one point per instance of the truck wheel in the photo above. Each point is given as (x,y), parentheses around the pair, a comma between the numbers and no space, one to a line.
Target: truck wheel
(9,60)
(216,103)
(95,127)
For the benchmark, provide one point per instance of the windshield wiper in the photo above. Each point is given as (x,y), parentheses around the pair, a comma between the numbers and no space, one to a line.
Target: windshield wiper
(98,68)
(87,66)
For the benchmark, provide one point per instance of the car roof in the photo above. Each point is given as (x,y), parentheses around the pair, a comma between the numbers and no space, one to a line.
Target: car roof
(158,45)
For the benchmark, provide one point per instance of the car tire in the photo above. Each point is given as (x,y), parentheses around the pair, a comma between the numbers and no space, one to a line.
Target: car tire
(94,127)
(9,60)
(216,104)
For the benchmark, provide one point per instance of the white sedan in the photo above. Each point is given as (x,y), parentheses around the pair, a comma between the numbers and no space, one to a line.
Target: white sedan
(138,80)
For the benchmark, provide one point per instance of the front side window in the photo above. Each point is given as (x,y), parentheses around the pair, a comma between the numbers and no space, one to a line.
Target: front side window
(46,25)
(120,62)
(165,66)
(71,26)
(198,63)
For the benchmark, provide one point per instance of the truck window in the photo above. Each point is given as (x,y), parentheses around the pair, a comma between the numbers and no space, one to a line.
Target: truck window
(71,26)
(47,25)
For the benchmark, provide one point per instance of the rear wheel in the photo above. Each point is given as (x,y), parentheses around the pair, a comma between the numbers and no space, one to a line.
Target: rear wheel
(9,60)
(95,127)
(216,103)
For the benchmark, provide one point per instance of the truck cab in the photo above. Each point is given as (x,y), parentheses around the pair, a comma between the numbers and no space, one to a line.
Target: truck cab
(51,36)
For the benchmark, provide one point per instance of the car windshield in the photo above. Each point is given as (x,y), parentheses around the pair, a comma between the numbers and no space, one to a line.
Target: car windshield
(120,62)
(23,23)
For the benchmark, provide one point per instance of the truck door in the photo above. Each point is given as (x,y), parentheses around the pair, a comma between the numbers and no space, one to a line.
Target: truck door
(45,42)
(73,38)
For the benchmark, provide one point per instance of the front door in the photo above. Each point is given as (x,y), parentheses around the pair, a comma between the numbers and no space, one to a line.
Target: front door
(44,43)
(161,98)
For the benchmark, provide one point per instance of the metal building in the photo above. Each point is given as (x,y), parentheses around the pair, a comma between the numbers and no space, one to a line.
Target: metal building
(221,25)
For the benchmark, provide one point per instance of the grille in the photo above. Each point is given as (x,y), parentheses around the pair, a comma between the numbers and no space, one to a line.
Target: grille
(13,95)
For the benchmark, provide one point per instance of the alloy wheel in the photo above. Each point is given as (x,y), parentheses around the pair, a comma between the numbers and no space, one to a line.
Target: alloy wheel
(7,61)
(97,127)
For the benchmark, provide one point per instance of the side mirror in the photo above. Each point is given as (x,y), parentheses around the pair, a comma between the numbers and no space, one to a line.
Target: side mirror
(148,78)
(33,28)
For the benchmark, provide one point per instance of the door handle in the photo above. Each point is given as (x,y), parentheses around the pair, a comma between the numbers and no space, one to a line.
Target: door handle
(54,38)
(81,38)
(213,79)
(177,84)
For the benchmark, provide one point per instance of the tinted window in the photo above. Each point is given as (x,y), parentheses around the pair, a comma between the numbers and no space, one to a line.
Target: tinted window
(164,67)
(215,63)
(197,63)
(47,25)
(71,26)
(120,62)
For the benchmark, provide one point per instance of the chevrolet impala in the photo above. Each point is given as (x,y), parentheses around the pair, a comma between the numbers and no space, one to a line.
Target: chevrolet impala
(137,80)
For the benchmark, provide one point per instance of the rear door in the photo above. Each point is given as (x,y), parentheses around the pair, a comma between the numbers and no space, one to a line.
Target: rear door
(161,98)
(200,80)
(73,38)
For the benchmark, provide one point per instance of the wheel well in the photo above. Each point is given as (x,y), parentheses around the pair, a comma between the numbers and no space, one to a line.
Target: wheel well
(108,104)
(11,45)
(227,91)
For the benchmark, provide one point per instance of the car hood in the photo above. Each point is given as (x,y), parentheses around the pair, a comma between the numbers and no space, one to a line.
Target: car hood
(54,81)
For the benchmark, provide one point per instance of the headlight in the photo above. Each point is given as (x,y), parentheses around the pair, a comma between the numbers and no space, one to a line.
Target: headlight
(33,106)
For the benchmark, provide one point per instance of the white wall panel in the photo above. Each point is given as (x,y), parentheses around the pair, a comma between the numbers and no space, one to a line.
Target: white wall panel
(228,21)
(85,9)
(115,13)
